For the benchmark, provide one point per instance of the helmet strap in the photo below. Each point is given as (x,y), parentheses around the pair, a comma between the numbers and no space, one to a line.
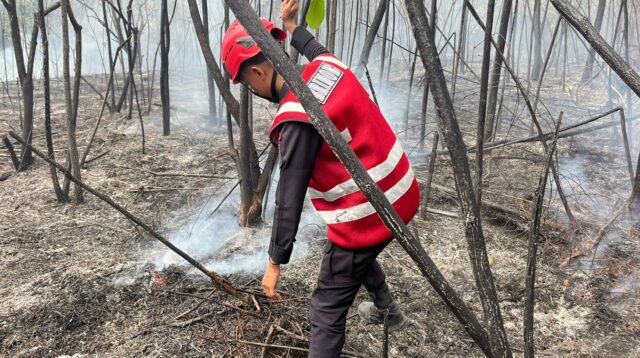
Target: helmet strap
(274,92)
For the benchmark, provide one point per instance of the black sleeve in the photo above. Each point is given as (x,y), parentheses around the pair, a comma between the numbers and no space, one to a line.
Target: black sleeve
(299,144)
(306,44)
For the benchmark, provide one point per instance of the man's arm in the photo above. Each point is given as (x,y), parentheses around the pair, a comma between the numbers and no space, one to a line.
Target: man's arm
(306,44)
(299,145)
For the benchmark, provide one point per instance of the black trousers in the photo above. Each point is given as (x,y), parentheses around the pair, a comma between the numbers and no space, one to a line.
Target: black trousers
(342,273)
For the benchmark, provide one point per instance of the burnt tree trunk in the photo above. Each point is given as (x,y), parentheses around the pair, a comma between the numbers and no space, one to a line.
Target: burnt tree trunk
(496,71)
(339,146)
(60,196)
(371,36)
(71,98)
(165,42)
(482,102)
(448,127)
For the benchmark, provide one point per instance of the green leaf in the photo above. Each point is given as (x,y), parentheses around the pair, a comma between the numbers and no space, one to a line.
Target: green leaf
(315,15)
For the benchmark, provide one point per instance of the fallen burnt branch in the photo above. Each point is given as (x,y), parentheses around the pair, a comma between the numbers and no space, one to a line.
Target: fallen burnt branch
(217,279)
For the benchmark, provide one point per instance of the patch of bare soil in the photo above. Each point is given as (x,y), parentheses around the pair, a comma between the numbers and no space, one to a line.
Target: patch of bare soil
(75,281)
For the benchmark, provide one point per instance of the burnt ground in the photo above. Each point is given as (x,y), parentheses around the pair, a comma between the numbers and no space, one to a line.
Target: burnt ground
(78,281)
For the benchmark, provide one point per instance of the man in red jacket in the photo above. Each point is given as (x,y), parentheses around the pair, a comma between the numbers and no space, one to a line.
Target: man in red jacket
(355,232)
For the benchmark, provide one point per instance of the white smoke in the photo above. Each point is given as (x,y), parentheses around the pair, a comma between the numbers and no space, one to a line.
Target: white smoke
(225,247)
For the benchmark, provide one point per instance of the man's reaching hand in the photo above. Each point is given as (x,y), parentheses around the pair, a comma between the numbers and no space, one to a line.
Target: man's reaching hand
(288,14)
(270,281)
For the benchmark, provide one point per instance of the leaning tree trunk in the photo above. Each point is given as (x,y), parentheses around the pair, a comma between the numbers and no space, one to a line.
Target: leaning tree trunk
(341,149)
(588,67)
(448,126)
(494,83)
(71,100)
(371,36)
(165,41)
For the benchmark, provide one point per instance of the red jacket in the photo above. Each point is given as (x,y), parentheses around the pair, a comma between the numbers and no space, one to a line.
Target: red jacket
(352,222)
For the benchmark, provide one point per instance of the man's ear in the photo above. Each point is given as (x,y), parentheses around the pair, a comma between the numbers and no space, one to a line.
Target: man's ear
(259,72)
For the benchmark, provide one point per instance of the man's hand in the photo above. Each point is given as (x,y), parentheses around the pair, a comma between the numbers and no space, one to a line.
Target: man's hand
(288,14)
(270,281)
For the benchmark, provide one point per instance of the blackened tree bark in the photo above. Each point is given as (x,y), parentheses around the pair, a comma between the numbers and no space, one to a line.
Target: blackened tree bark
(339,146)
(371,36)
(71,98)
(482,102)
(496,71)
(246,179)
(165,42)
(448,125)
(60,196)
(588,67)
(331,29)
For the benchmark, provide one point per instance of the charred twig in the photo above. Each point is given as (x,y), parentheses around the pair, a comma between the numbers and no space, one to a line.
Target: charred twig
(440,212)
(267,340)
(187,175)
(217,279)
(345,353)
(193,320)
(290,334)
(96,157)
(151,189)
(534,231)
(196,306)
(236,308)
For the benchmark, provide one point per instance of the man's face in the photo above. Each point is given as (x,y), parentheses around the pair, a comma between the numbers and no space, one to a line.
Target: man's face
(258,78)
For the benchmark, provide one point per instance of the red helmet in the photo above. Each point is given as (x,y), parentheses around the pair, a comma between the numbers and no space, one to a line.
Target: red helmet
(238,46)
